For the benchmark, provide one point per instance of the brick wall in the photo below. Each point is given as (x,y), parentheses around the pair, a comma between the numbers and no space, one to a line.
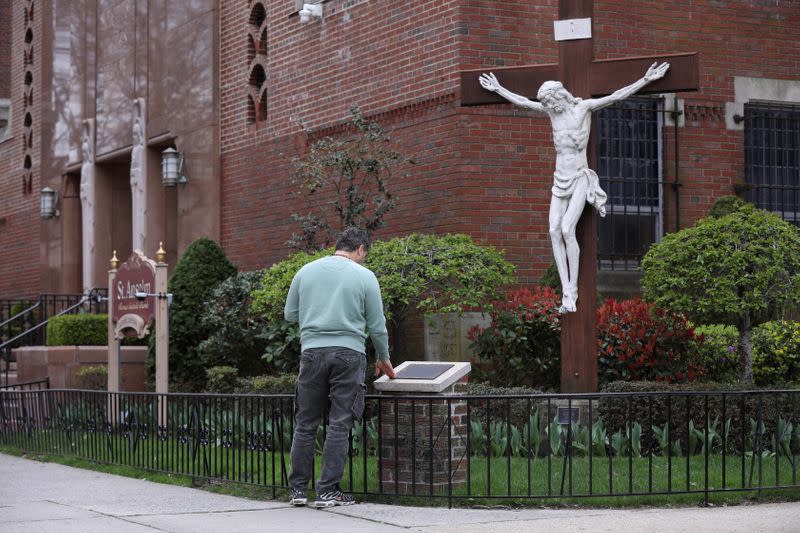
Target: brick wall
(19,210)
(485,171)
(405,74)
(734,38)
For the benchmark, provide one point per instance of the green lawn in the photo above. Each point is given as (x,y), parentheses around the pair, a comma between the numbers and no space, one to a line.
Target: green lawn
(499,481)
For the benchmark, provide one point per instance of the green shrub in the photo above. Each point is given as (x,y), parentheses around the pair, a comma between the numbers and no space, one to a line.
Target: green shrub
(725,205)
(429,274)
(522,346)
(776,353)
(84,330)
(202,267)
(500,409)
(221,379)
(15,327)
(550,278)
(740,269)
(282,345)
(269,298)
(417,273)
(280,384)
(92,378)
(716,352)
(614,411)
(236,337)
(639,342)
(281,338)
(78,330)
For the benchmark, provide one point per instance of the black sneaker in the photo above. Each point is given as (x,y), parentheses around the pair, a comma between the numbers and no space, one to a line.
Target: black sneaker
(299,498)
(333,498)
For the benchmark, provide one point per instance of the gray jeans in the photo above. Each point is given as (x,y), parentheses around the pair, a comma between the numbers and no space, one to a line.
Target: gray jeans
(332,375)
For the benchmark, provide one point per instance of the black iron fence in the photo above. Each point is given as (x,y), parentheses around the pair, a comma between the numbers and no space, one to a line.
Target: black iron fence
(451,448)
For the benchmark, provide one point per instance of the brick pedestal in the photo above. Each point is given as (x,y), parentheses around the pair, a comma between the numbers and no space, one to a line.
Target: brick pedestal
(423,444)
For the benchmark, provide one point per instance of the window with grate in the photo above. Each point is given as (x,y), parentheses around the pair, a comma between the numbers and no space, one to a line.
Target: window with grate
(5,117)
(629,164)
(772,158)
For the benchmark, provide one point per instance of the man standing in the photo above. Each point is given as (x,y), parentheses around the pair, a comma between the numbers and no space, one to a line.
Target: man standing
(335,300)
(574,183)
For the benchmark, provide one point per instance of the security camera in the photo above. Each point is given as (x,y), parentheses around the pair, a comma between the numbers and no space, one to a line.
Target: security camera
(141,295)
(309,11)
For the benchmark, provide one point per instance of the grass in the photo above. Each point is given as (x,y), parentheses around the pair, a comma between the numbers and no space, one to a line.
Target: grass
(619,481)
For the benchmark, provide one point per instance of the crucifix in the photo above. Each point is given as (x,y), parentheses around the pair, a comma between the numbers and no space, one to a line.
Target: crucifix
(585,78)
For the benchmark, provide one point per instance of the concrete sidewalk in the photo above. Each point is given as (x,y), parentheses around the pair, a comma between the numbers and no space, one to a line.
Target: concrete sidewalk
(50,497)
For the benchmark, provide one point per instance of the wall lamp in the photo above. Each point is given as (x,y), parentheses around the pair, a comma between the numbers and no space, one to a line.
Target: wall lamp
(172,168)
(310,11)
(49,201)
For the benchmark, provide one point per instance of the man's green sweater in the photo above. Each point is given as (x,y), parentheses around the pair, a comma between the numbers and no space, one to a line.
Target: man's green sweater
(335,301)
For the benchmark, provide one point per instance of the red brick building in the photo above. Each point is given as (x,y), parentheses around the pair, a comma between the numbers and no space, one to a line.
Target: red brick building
(242,86)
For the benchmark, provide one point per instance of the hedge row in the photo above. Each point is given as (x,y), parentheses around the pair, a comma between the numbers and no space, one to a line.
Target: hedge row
(83,330)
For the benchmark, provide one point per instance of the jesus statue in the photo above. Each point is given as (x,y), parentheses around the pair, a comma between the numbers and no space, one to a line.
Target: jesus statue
(575,183)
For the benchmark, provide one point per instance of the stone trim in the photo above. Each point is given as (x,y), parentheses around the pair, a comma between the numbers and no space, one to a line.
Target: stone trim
(411,110)
(763,89)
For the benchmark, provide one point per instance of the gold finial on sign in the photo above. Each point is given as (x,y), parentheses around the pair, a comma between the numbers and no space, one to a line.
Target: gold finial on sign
(161,255)
(114,261)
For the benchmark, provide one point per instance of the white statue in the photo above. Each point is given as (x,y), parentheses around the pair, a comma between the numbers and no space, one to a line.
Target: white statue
(88,204)
(138,177)
(574,182)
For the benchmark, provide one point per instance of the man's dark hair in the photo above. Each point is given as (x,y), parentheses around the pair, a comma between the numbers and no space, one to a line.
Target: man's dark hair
(351,238)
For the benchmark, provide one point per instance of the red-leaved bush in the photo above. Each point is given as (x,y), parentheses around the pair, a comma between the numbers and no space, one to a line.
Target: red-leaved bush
(638,341)
(522,345)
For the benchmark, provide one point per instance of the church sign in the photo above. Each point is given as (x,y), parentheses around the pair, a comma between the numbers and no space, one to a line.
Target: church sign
(132,307)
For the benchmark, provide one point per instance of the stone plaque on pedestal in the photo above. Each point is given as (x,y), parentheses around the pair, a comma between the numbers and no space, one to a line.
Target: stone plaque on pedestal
(423,440)
(423,376)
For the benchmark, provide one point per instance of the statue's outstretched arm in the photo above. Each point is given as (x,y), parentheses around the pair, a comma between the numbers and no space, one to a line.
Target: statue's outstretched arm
(490,83)
(655,72)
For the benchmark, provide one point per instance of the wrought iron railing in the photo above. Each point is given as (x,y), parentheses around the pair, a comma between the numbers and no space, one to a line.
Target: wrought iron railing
(39,384)
(450,448)
(28,327)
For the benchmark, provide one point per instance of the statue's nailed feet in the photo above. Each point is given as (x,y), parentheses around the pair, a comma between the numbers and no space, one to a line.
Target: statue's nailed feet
(568,301)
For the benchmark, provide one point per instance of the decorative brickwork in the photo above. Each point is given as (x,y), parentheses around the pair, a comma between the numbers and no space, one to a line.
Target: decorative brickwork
(705,112)
(423,445)
(258,65)
(27,100)
(20,149)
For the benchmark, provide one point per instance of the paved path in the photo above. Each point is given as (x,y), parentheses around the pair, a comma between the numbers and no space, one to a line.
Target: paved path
(49,497)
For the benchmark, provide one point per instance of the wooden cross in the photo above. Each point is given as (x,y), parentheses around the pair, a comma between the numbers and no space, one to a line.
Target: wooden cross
(583,77)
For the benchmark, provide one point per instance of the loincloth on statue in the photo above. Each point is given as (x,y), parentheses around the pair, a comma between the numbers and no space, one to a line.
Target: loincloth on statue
(564,186)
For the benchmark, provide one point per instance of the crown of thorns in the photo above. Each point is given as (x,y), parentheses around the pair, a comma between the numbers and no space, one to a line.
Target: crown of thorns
(548,88)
